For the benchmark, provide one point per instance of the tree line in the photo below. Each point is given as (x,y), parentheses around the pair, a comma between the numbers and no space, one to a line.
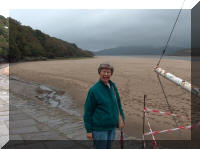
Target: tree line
(3,38)
(27,44)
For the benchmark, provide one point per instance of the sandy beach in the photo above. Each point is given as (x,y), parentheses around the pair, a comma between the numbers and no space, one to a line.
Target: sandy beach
(134,77)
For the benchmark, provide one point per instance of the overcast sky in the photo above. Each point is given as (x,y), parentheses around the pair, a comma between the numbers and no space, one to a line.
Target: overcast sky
(101,29)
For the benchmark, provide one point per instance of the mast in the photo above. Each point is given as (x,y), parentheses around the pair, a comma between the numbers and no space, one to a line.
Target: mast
(178,81)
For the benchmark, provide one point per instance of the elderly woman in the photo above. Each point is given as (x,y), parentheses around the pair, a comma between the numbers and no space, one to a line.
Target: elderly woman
(102,109)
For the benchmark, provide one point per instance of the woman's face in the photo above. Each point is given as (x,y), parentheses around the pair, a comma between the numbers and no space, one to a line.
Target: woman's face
(105,75)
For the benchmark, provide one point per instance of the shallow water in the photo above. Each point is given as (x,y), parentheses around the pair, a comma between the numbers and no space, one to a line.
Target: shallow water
(52,98)
(188,58)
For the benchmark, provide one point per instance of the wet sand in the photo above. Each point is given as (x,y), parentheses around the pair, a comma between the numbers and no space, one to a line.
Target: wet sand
(134,77)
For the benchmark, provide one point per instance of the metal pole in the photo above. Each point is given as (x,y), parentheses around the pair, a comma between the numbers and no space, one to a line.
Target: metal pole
(144,120)
(122,140)
(178,81)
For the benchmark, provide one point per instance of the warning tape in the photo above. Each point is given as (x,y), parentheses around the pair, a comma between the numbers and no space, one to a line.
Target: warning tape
(167,130)
(152,133)
(173,129)
(165,113)
(154,140)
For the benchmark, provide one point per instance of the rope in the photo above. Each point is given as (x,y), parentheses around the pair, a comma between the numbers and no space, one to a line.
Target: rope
(169,107)
(158,63)
(163,52)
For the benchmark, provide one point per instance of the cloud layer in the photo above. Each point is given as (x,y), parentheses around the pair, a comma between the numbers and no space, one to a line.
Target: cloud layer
(101,29)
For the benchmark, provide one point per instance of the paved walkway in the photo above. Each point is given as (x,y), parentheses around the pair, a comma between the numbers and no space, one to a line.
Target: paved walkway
(4,106)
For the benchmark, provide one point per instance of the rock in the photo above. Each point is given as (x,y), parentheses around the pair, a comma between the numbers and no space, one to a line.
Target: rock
(43,89)
(51,94)
(53,103)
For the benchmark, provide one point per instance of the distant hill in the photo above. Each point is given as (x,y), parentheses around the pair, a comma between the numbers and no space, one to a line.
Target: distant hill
(27,44)
(137,50)
(182,52)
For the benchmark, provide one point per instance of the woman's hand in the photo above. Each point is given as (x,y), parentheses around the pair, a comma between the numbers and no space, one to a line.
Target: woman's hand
(122,125)
(89,136)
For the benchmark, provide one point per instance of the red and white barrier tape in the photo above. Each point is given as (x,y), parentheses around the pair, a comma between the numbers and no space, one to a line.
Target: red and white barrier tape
(167,130)
(165,113)
(154,140)
(173,129)
(152,133)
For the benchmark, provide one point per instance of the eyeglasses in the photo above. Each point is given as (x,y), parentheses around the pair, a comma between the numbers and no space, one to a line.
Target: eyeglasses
(104,72)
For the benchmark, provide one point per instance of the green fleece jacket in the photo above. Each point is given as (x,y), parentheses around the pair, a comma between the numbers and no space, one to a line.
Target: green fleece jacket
(100,110)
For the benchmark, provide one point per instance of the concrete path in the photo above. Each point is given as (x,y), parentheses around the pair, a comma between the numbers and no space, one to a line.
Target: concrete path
(4,106)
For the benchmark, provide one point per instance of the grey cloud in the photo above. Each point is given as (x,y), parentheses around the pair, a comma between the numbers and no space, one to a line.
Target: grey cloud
(101,29)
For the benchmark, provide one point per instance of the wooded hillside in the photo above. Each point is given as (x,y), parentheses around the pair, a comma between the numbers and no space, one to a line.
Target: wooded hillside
(27,44)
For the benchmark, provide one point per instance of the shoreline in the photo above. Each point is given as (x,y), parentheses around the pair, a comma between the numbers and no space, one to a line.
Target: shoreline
(74,77)
(187,58)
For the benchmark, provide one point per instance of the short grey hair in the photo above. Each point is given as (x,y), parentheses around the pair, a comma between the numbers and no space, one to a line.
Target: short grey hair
(105,66)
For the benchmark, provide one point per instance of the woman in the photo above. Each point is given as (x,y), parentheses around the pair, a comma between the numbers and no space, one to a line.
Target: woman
(101,110)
